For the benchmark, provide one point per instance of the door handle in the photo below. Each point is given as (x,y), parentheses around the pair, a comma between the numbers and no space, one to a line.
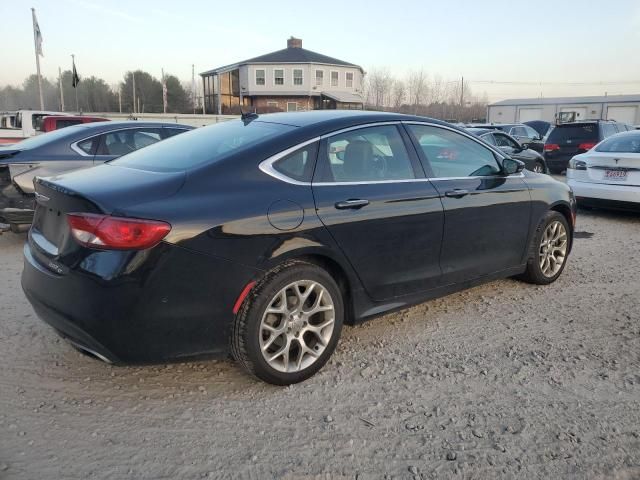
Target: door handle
(356,203)
(456,193)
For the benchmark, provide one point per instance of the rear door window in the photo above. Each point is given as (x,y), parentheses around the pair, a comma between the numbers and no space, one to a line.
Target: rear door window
(368,154)
(122,142)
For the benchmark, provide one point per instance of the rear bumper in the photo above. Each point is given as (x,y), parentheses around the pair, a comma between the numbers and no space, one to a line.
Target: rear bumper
(167,303)
(600,191)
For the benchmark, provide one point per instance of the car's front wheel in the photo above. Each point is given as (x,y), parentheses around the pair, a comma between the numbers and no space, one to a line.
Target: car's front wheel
(289,325)
(538,167)
(549,249)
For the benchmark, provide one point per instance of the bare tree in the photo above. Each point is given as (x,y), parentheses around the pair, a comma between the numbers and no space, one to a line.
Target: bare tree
(398,95)
(418,88)
(380,84)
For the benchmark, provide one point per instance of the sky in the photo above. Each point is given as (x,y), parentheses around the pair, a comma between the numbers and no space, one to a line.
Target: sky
(526,48)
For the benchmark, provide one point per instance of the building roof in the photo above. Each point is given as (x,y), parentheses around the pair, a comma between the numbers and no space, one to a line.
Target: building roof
(554,100)
(291,54)
(344,97)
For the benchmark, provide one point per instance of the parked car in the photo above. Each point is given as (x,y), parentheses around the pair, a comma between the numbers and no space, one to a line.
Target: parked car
(71,148)
(608,175)
(260,237)
(521,132)
(532,160)
(569,139)
(56,122)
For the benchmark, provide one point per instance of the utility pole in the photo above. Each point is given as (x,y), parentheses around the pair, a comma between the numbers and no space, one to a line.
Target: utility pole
(164,93)
(193,87)
(119,98)
(61,92)
(462,92)
(133,76)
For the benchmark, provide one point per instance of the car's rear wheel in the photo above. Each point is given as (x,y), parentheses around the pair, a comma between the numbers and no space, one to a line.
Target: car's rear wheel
(289,325)
(549,250)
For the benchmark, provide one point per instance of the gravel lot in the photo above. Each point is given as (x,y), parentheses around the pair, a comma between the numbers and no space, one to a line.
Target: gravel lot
(505,380)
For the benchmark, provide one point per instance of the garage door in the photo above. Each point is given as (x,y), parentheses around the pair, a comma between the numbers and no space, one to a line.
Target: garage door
(622,114)
(528,114)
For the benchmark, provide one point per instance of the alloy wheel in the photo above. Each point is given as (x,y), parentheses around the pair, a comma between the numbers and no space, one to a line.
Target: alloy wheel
(538,168)
(553,249)
(297,326)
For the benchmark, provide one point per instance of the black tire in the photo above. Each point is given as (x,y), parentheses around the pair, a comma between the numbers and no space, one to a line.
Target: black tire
(245,335)
(533,273)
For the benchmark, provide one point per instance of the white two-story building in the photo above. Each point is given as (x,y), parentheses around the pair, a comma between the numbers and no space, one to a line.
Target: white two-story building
(287,80)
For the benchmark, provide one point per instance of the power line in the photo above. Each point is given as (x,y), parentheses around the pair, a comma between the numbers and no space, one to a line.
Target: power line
(505,82)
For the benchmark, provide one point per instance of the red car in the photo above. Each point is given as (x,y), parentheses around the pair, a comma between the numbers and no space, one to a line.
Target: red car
(51,123)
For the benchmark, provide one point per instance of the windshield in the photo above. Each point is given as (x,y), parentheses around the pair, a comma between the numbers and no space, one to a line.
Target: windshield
(44,138)
(628,143)
(203,145)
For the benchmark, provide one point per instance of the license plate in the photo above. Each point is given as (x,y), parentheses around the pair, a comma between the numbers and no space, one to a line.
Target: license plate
(619,175)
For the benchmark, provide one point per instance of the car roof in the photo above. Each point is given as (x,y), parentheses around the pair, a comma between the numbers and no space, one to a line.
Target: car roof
(323,121)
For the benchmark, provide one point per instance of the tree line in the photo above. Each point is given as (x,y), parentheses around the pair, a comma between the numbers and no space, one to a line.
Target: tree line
(417,93)
(95,95)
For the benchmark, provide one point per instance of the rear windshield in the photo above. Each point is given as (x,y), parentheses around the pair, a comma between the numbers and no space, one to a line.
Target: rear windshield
(200,146)
(584,131)
(629,143)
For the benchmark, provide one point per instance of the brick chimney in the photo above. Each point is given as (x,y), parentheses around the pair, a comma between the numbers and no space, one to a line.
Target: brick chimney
(294,42)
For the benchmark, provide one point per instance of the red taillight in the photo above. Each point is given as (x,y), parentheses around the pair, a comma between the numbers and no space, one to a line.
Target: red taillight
(116,233)
(586,146)
(550,147)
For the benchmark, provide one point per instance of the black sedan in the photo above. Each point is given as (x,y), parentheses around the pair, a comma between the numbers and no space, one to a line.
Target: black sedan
(532,160)
(70,148)
(263,236)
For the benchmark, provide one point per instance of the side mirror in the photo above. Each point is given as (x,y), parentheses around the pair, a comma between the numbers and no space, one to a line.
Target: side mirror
(511,166)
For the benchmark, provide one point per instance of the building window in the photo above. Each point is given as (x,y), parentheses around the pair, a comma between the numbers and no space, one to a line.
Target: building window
(319,77)
(278,76)
(297,76)
(349,79)
(292,106)
(334,79)
(260,77)
(272,104)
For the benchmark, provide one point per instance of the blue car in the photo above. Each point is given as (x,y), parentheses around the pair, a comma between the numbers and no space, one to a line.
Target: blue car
(71,148)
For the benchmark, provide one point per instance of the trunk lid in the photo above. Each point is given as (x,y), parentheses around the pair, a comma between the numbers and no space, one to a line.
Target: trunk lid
(105,189)
(614,168)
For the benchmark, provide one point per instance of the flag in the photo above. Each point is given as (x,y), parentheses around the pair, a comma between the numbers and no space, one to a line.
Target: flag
(37,34)
(75,79)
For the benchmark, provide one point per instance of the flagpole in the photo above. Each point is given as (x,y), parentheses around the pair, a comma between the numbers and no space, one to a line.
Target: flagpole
(73,60)
(164,93)
(133,76)
(35,42)
(61,92)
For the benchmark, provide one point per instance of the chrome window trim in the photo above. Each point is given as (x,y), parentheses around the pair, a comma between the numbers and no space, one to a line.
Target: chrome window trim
(266,166)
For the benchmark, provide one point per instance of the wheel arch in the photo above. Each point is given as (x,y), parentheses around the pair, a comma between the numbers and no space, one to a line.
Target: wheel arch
(345,279)
(565,210)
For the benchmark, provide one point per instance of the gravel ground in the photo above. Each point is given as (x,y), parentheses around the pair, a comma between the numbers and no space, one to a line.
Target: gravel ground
(505,380)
